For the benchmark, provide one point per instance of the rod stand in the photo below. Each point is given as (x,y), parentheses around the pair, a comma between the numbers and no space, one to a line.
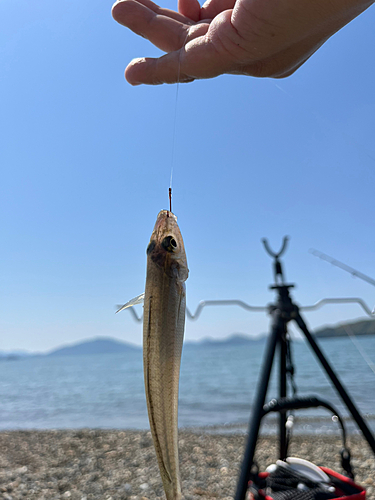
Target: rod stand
(284,302)
(282,312)
(277,267)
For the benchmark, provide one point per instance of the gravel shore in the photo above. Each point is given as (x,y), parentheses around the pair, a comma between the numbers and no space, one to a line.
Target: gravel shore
(119,465)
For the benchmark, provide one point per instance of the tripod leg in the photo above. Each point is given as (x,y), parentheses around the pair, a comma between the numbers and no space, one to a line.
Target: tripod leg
(340,389)
(257,412)
(282,394)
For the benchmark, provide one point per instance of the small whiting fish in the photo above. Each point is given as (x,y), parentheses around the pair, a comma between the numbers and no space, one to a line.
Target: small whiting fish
(163,332)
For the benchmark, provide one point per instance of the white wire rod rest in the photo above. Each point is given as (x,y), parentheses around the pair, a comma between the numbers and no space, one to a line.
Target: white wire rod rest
(248,307)
(204,303)
(230,302)
(348,300)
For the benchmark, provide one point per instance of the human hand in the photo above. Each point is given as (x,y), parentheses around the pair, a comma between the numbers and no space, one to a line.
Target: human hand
(262,38)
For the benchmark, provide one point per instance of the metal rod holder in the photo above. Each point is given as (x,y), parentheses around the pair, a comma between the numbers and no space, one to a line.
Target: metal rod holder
(282,312)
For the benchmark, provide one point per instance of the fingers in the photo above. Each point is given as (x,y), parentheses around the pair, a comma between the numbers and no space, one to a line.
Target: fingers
(211,8)
(118,16)
(156,71)
(166,33)
(190,9)
(199,58)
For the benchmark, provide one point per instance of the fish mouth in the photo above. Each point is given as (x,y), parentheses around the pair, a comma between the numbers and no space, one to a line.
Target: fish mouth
(166,221)
(166,214)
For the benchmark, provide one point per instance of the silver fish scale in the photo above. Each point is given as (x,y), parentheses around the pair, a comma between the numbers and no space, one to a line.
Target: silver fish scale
(163,331)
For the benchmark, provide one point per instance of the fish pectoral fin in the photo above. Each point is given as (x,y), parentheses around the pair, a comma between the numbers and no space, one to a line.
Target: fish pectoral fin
(137,300)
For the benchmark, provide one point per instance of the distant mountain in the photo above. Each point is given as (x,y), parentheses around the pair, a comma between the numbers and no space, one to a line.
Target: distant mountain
(9,357)
(103,345)
(12,355)
(107,345)
(364,327)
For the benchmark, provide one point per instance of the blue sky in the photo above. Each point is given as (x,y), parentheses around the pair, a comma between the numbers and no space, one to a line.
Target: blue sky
(85,166)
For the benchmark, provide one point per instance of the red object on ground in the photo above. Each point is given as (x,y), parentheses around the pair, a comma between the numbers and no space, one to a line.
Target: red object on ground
(359,494)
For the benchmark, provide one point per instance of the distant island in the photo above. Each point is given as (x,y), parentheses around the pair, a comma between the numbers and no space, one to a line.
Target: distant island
(364,327)
(108,345)
(14,355)
(100,345)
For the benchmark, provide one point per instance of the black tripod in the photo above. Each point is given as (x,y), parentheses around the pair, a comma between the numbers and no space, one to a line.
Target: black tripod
(282,312)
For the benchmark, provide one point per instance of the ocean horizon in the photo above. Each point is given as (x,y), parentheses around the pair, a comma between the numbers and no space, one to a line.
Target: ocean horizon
(217,387)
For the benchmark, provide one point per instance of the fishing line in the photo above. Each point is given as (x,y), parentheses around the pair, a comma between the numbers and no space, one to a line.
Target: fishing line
(175,121)
(174,125)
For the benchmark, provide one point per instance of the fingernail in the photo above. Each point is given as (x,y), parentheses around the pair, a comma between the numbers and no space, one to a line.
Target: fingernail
(137,60)
(131,71)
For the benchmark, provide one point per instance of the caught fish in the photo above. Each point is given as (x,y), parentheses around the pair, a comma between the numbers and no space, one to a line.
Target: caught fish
(163,333)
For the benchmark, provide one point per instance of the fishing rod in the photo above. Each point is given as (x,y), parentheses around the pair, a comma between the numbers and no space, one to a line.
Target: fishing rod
(343,266)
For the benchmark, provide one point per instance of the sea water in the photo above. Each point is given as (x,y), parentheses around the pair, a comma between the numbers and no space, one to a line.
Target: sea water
(217,387)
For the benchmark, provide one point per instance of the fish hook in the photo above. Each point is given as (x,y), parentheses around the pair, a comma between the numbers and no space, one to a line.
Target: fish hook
(170,201)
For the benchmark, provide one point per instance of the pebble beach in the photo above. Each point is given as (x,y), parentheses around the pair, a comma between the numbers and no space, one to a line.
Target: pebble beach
(121,465)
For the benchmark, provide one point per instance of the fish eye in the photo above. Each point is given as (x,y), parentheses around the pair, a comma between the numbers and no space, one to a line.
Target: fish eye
(173,243)
(169,243)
